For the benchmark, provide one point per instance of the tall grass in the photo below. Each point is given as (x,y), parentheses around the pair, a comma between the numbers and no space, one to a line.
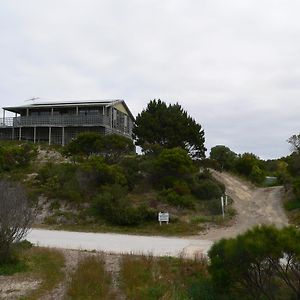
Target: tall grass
(90,280)
(150,278)
(45,265)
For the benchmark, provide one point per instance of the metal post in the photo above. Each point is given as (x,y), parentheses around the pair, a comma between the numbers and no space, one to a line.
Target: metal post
(222,204)
(49,136)
(63,136)
(34,134)
(20,133)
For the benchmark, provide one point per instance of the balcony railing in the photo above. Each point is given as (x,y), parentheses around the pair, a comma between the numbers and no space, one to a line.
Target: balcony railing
(66,120)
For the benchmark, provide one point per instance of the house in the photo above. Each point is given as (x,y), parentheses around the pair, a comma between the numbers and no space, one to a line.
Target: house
(60,122)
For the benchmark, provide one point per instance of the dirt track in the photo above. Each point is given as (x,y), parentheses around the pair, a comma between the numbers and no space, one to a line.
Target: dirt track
(254,206)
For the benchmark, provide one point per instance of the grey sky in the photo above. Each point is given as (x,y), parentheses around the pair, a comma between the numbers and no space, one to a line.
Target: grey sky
(233,65)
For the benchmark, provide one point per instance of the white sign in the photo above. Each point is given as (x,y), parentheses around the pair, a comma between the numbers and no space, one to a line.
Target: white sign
(163,217)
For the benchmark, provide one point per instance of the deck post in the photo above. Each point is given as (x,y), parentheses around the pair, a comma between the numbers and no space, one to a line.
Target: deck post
(20,133)
(49,136)
(13,133)
(63,136)
(34,134)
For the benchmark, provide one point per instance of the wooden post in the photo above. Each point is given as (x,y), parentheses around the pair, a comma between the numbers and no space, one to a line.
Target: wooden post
(77,111)
(63,136)
(20,133)
(27,112)
(3,117)
(34,134)
(13,133)
(49,136)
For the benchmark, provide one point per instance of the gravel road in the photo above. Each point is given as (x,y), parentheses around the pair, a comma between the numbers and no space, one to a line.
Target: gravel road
(119,243)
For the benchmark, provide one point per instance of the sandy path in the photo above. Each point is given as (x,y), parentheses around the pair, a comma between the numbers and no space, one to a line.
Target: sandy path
(254,206)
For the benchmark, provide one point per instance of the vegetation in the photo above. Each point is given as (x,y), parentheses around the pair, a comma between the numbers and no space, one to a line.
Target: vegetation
(16,216)
(46,265)
(90,280)
(168,126)
(149,278)
(263,263)
(248,164)
(40,264)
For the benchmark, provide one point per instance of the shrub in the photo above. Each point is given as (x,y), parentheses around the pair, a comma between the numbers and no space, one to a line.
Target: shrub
(207,189)
(113,206)
(60,181)
(16,156)
(174,199)
(171,165)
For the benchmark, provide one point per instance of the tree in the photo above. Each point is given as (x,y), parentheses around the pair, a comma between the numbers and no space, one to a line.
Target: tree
(262,263)
(16,216)
(115,146)
(168,126)
(224,156)
(111,146)
(294,140)
(172,165)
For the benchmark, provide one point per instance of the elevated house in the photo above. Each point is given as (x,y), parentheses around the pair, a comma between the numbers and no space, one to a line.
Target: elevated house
(60,122)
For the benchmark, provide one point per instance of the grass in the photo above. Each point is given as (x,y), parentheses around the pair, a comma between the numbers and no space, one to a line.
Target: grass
(149,278)
(45,265)
(90,280)
(13,267)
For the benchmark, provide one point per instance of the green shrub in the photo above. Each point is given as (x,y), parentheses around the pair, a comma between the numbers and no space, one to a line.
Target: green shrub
(296,187)
(113,206)
(60,181)
(16,156)
(174,199)
(207,189)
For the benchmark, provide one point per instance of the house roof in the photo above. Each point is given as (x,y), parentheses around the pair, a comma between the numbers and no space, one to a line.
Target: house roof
(53,104)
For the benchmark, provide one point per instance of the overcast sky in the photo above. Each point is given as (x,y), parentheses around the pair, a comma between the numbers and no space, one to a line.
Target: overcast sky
(233,65)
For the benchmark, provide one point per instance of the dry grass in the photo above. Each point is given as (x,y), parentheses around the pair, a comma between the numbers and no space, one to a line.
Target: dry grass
(150,278)
(46,265)
(90,280)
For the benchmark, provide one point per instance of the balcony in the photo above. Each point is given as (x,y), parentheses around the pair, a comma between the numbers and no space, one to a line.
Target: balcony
(56,121)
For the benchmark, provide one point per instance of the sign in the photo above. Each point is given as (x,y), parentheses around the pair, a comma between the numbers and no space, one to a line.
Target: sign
(163,217)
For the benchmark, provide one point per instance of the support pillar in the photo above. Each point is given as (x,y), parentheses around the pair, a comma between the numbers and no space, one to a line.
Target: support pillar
(34,134)
(13,133)
(3,121)
(27,112)
(49,136)
(20,133)
(63,136)
(77,111)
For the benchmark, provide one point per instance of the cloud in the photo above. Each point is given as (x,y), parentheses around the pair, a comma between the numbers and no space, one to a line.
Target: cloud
(234,65)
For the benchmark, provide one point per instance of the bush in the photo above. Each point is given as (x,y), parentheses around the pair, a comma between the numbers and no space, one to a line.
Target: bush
(174,199)
(262,263)
(207,190)
(172,165)
(60,181)
(16,156)
(113,206)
